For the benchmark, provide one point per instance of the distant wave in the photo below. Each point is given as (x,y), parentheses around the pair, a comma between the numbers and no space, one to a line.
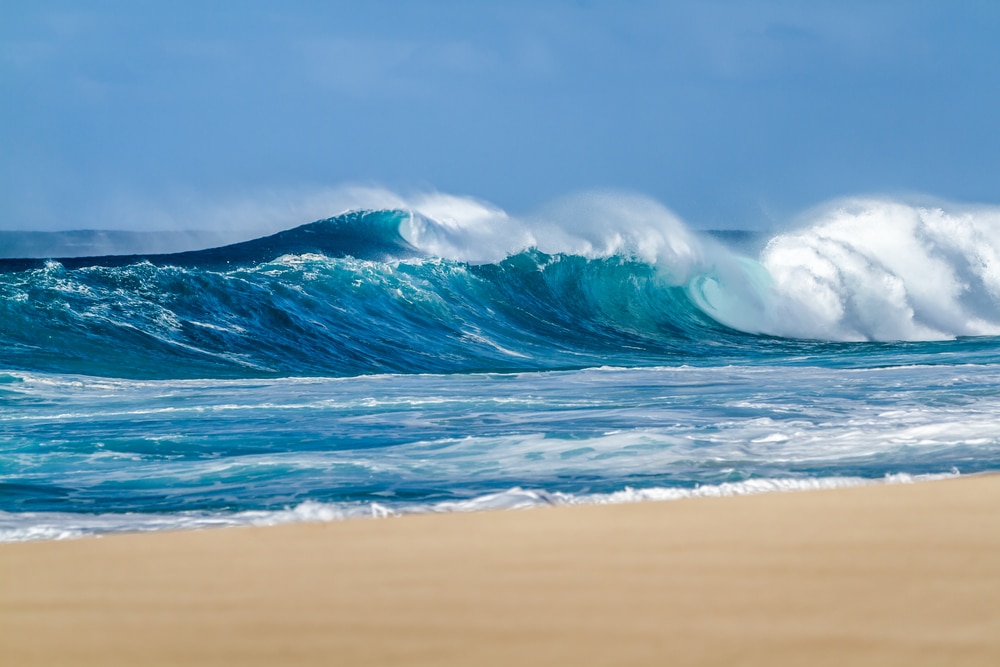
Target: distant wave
(363,234)
(93,242)
(458,285)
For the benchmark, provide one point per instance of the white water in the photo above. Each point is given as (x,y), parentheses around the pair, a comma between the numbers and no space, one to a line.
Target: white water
(857,269)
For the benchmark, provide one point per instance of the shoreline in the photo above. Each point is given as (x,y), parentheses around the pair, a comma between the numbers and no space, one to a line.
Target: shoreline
(56,527)
(870,574)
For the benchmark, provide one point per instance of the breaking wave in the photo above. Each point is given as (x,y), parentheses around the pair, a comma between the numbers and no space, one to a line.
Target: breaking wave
(456,285)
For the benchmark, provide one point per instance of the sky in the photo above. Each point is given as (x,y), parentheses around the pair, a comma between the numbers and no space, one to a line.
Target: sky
(164,115)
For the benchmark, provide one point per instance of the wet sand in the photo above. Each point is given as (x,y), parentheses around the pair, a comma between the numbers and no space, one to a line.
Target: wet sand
(879,575)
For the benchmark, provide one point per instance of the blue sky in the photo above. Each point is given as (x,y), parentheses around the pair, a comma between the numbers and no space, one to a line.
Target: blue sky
(734,114)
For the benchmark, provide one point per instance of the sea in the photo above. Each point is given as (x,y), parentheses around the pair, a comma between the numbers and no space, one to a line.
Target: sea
(448,356)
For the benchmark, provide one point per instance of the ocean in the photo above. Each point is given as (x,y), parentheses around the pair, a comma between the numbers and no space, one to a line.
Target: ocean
(451,357)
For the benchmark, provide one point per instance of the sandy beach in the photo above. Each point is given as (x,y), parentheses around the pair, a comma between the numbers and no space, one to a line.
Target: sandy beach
(878,575)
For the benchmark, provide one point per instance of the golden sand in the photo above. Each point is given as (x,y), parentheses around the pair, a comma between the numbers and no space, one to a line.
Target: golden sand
(880,575)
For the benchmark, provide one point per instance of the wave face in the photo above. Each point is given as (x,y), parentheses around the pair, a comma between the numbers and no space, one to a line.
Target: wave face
(450,357)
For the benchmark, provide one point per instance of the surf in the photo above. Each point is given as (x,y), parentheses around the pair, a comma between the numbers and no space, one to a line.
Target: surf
(446,355)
